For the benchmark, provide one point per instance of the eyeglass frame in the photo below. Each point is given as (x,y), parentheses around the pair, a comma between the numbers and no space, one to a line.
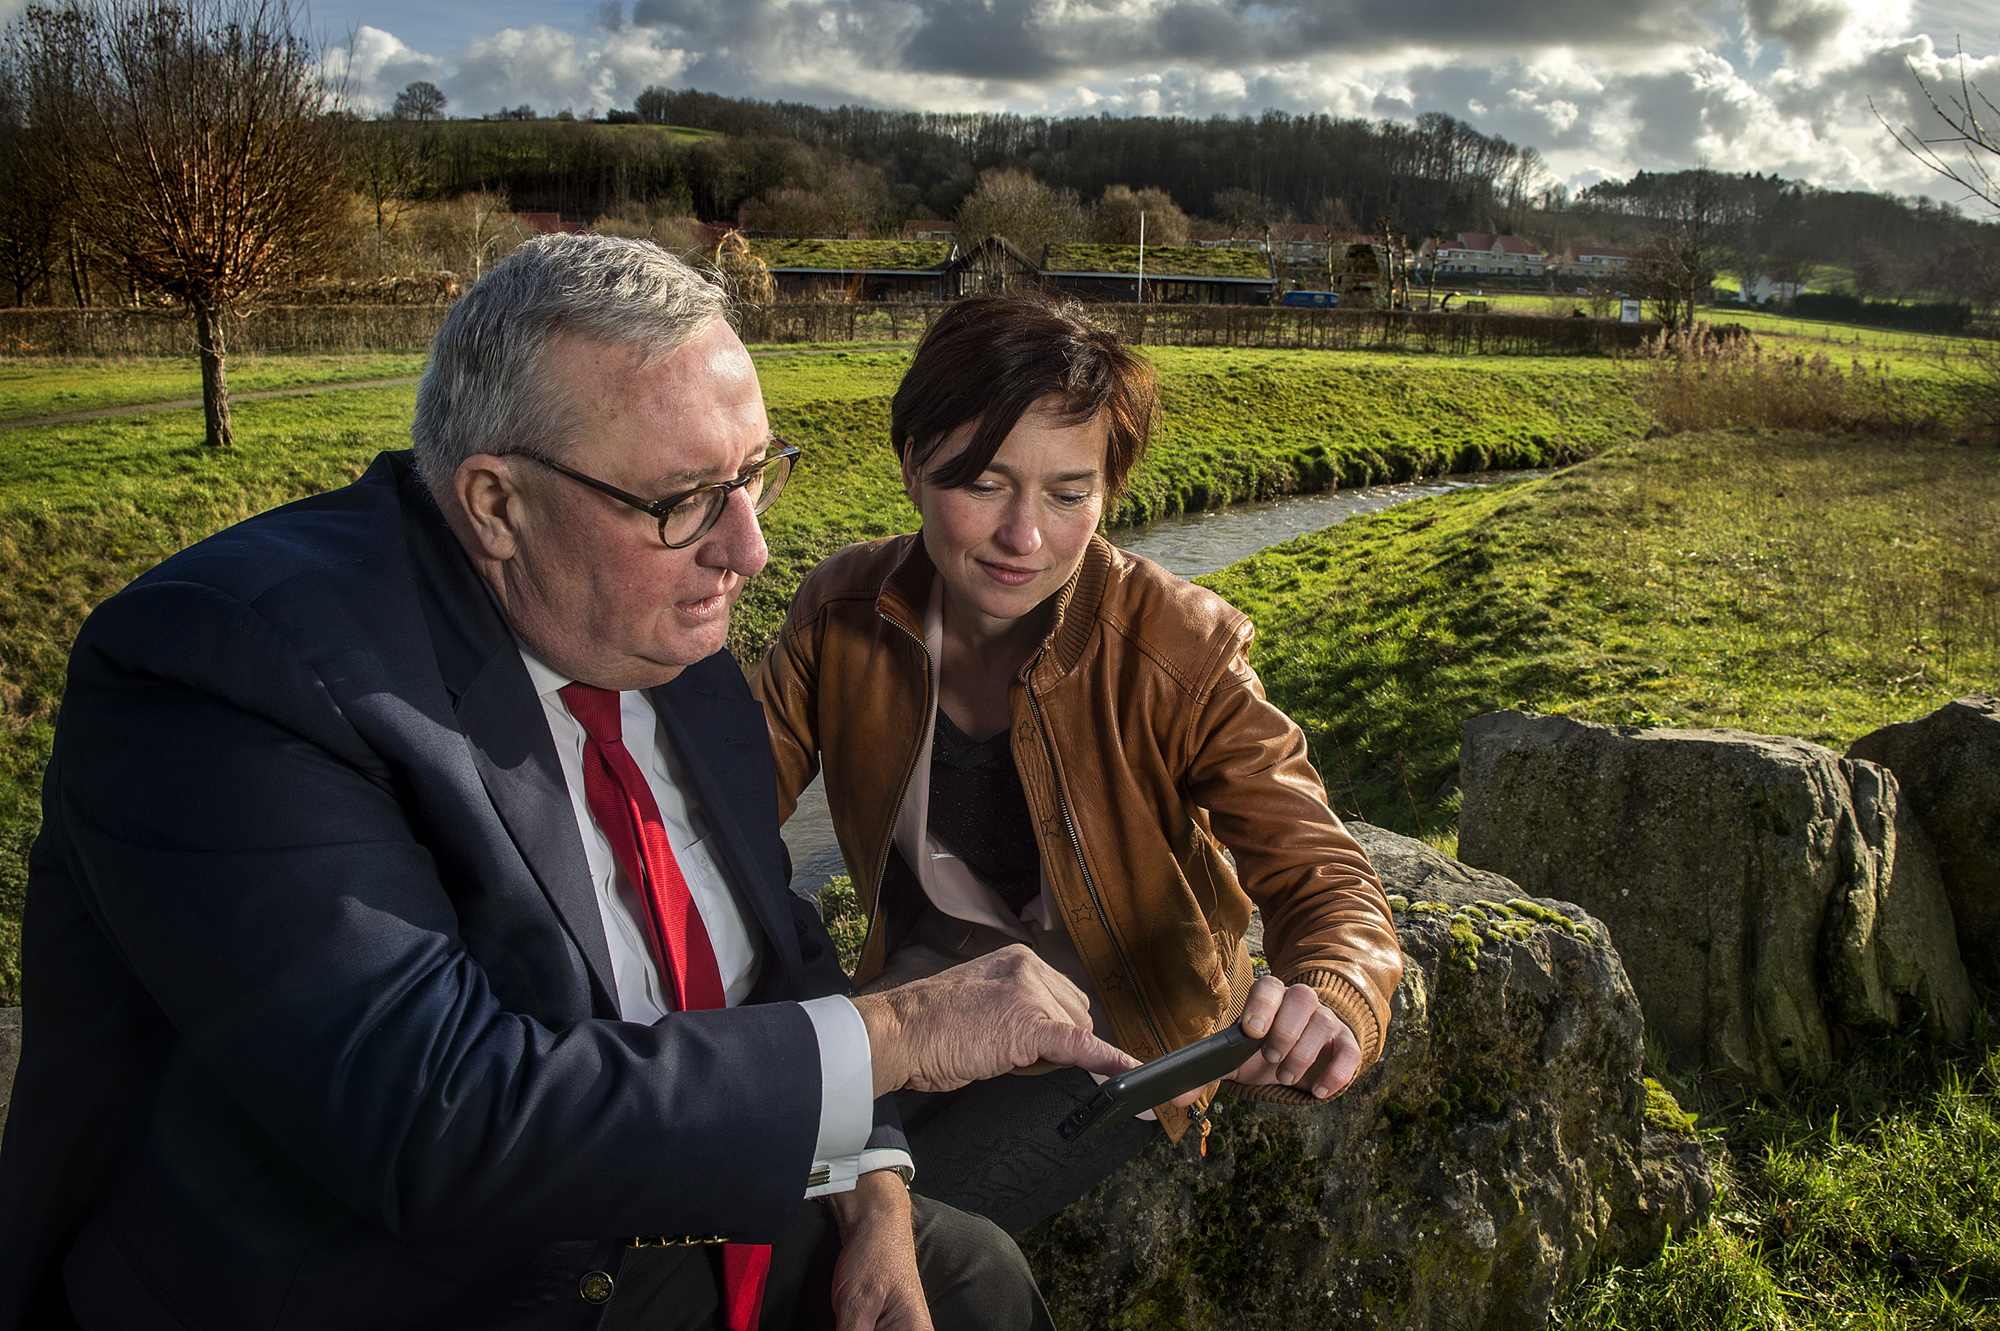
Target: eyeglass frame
(662,509)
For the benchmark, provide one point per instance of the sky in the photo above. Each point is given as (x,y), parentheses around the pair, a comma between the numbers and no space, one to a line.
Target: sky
(1601,87)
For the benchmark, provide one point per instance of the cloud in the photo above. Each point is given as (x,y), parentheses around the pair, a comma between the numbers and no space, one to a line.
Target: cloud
(541,66)
(1601,89)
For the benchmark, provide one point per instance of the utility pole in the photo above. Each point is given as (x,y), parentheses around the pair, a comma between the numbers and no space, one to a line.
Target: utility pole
(1142,256)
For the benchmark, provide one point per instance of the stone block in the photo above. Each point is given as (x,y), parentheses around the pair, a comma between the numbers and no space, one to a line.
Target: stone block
(1468,1180)
(1762,891)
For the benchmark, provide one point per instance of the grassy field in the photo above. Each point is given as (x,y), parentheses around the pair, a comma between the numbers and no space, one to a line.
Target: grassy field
(1871,1200)
(1797,583)
(1792,584)
(1809,335)
(34,387)
(1236,425)
(86,507)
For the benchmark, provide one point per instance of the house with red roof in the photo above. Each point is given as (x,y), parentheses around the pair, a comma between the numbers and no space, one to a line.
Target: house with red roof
(1485,254)
(1588,259)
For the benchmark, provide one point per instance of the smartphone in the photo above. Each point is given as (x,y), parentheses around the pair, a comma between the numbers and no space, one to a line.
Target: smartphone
(1159,1081)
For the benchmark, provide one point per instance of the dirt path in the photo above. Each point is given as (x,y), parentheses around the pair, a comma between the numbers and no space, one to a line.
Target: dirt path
(185,403)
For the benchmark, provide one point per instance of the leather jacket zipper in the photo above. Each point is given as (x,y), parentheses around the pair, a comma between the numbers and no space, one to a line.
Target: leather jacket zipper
(1076,844)
(896,809)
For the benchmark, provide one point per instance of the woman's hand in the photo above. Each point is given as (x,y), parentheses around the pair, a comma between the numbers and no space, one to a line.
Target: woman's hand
(1305,1045)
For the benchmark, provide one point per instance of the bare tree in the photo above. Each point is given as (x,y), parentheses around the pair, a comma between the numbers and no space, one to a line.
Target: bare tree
(419,101)
(1695,217)
(32,211)
(391,169)
(1016,205)
(1244,212)
(194,140)
(1115,220)
(1965,152)
(473,231)
(1791,265)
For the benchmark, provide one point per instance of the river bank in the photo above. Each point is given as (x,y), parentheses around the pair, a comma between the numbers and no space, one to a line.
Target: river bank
(1235,426)
(1794,584)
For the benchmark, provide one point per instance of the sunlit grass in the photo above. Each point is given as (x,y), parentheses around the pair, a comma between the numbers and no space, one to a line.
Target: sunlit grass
(1869,1200)
(42,386)
(1781,583)
(84,508)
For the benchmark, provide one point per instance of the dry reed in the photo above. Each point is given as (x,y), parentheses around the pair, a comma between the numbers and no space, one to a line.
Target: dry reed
(1706,381)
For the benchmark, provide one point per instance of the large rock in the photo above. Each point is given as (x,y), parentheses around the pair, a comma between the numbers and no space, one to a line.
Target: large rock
(1948,765)
(1763,891)
(1466,1181)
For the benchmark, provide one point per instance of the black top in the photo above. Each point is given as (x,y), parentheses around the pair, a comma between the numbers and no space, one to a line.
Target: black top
(980,813)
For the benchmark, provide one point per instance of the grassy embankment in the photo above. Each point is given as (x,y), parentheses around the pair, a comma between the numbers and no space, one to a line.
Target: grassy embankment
(1793,583)
(1786,583)
(85,507)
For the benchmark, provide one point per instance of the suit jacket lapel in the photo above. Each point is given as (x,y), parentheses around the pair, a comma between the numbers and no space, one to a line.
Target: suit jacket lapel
(503,724)
(724,747)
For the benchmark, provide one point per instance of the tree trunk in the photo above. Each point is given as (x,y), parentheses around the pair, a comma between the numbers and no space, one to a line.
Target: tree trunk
(214,384)
(79,272)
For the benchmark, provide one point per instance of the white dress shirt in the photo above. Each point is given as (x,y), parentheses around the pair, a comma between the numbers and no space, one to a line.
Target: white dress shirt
(846,1115)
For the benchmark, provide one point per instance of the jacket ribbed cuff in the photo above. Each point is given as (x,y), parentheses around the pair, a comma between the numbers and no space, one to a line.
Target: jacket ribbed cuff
(1339,993)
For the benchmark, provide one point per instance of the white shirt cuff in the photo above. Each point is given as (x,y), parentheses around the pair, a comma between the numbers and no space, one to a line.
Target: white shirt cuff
(846,1095)
(885,1157)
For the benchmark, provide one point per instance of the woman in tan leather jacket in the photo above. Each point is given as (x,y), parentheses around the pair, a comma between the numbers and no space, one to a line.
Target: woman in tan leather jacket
(1032,737)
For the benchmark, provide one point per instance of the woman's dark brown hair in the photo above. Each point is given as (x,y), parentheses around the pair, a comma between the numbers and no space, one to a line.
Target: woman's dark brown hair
(991,358)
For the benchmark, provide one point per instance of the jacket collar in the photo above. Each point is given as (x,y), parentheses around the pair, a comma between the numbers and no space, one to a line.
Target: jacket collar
(502,721)
(907,591)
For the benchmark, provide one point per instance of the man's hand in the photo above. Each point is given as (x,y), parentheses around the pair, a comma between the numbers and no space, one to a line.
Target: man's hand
(1008,1009)
(875,1282)
(1305,1045)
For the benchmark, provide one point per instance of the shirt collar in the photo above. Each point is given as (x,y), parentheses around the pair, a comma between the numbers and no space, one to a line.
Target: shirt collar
(546,679)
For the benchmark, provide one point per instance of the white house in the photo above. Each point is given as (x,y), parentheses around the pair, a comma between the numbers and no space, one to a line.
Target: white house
(1484,254)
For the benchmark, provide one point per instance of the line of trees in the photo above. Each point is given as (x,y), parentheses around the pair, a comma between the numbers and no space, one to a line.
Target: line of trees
(1437,172)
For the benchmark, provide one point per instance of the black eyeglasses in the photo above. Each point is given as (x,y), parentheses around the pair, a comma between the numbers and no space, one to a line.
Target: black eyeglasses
(688,516)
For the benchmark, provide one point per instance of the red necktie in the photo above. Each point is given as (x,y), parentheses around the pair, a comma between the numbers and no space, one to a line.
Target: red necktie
(623,805)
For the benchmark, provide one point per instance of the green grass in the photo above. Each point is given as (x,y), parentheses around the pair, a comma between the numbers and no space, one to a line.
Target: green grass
(1869,1200)
(1788,584)
(678,133)
(852,255)
(1787,332)
(1164,261)
(84,508)
(36,386)
(1235,425)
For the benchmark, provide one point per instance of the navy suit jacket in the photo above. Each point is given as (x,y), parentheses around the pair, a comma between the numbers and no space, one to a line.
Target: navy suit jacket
(320,1023)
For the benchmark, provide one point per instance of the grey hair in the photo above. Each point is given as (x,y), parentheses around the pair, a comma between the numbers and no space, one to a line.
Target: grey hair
(488,388)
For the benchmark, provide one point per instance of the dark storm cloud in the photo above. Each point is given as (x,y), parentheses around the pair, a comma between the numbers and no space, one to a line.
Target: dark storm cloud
(1024,41)
(1804,26)
(989,39)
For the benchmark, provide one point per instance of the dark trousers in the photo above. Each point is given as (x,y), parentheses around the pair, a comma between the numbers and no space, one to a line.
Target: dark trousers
(991,1148)
(974,1277)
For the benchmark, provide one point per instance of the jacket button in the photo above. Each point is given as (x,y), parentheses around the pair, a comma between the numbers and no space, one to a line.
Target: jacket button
(595,1287)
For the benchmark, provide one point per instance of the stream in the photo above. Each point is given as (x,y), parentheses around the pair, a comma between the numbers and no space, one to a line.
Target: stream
(1187,544)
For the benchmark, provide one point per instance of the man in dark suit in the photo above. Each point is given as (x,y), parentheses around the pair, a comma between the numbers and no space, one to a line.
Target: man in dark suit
(408,942)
